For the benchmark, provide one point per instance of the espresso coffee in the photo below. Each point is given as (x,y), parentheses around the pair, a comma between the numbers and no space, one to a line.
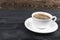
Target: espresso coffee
(41,16)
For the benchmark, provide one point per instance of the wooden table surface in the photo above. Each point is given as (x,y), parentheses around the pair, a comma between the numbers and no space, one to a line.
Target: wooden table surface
(12,25)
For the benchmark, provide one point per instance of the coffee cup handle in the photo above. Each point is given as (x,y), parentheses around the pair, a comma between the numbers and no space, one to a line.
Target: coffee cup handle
(54,18)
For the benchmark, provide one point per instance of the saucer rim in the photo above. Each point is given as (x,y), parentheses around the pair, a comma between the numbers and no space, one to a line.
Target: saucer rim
(37,31)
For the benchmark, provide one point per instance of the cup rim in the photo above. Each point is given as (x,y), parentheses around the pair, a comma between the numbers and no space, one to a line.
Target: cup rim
(46,13)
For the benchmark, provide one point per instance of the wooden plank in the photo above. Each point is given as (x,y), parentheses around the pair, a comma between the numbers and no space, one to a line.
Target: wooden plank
(29,4)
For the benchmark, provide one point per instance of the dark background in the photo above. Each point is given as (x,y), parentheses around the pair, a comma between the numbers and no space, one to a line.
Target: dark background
(12,25)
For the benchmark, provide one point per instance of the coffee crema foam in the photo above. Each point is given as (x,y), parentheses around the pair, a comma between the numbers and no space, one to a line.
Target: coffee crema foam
(41,16)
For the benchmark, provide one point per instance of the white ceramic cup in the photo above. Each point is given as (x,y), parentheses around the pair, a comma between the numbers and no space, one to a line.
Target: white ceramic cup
(41,23)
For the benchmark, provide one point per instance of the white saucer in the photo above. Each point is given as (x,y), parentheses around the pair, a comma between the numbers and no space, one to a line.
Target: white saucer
(53,27)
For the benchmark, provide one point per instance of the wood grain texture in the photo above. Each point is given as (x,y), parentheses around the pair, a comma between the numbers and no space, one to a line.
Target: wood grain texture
(12,25)
(29,4)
